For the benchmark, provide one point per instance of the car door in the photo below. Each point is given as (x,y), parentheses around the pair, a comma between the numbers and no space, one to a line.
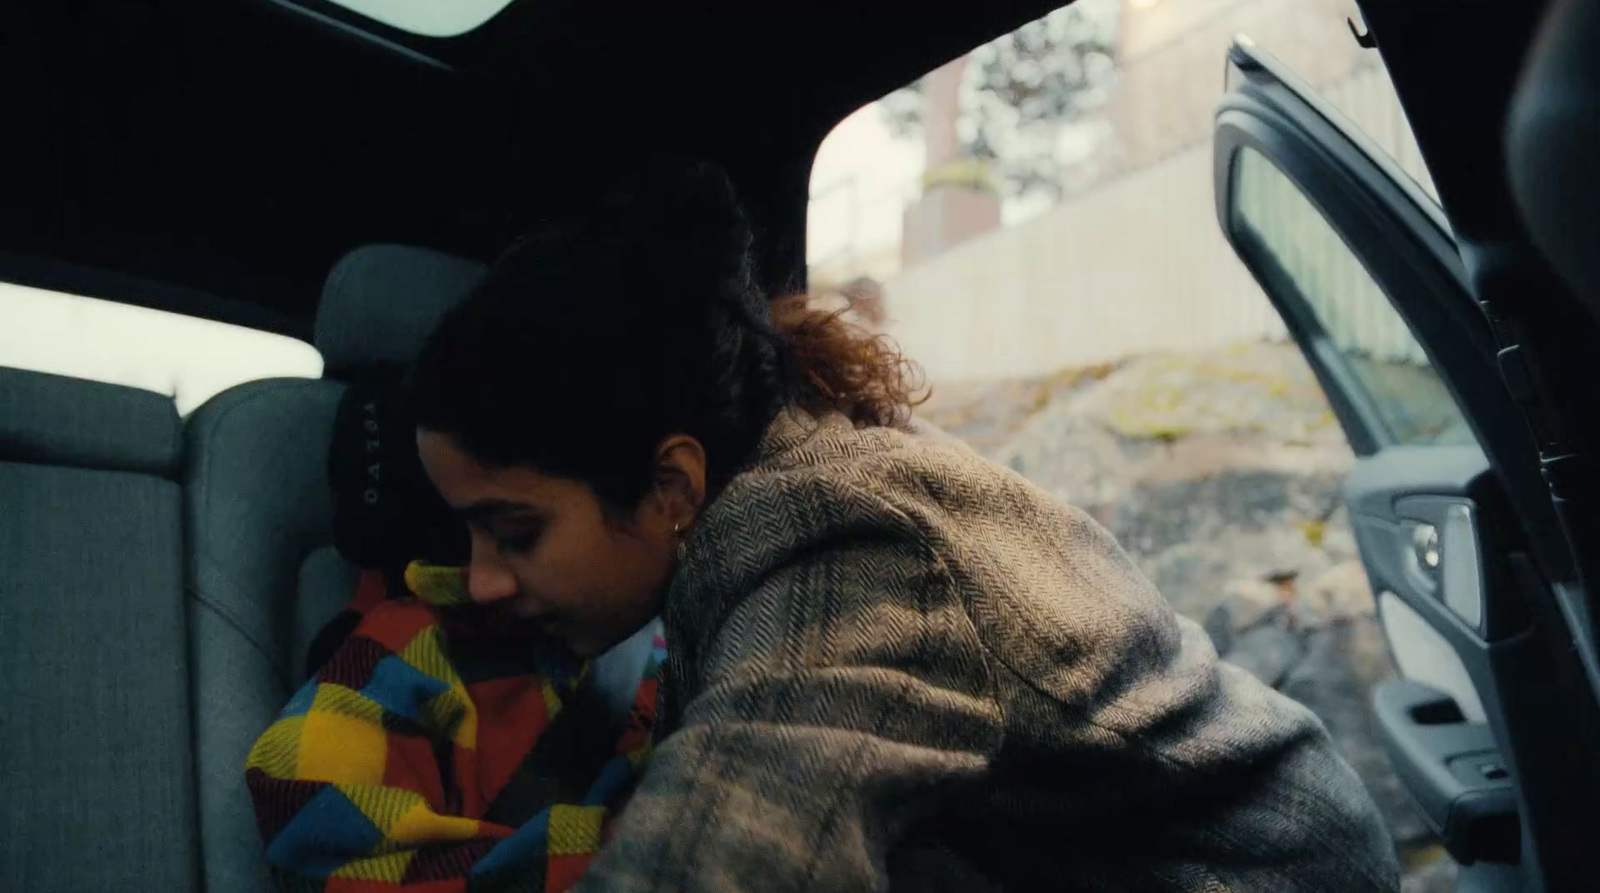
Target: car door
(1450,517)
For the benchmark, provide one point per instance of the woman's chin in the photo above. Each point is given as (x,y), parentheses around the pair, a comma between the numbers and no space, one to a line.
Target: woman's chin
(575,641)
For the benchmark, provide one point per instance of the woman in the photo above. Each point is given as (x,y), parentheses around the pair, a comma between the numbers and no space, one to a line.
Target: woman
(891,663)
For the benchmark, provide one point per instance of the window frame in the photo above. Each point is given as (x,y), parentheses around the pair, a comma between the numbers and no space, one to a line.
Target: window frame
(1368,201)
(512,22)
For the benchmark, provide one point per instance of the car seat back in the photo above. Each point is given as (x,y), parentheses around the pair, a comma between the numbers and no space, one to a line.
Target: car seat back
(95,737)
(264,570)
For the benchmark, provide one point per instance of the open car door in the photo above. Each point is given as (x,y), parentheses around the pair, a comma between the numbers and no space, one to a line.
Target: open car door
(1444,499)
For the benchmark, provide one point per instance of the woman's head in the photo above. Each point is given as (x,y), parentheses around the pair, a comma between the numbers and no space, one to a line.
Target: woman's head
(609,374)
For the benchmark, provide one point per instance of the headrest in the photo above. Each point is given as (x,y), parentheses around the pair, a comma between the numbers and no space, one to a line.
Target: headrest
(385,511)
(381,302)
(54,420)
(1553,144)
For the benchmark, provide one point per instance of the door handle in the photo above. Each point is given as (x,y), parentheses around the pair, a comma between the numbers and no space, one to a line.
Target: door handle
(1425,548)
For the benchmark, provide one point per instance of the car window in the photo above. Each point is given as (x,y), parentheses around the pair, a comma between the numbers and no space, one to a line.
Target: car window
(1408,394)
(184,357)
(1034,224)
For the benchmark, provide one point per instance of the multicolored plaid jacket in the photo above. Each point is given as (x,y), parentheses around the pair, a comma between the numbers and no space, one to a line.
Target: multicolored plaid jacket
(428,755)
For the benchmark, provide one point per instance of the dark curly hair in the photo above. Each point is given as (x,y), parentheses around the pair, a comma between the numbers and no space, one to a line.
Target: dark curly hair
(591,341)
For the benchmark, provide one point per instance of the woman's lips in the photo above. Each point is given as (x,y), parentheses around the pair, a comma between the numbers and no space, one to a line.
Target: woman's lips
(549,623)
(539,619)
(544,623)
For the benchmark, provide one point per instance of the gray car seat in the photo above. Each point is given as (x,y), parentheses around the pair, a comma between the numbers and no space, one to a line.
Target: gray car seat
(263,572)
(95,763)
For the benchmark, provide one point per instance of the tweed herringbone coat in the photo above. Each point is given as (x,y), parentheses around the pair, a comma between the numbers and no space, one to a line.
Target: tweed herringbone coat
(894,665)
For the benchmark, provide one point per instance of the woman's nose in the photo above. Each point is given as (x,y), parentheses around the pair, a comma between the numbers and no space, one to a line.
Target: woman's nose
(489,580)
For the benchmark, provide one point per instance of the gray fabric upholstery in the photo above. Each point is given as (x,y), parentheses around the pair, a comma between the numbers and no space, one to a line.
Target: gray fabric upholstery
(94,734)
(258,508)
(326,584)
(381,301)
(56,420)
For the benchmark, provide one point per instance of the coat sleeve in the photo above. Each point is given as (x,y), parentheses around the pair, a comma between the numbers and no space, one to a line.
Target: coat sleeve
(848,688)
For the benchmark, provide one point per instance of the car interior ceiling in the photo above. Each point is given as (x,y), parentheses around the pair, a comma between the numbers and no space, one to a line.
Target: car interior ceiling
(219,158)
(238,149)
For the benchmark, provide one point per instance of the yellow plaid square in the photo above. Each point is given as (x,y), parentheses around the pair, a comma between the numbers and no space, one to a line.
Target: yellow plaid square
(575,830)
(277,751)
(341,749)
(388,868)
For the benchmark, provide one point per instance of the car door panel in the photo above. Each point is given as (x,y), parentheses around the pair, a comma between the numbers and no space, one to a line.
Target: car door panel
(1344,247)
(1417,523)
(1430,660)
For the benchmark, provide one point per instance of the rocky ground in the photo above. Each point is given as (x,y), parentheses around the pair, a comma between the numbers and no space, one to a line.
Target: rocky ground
(1219,473)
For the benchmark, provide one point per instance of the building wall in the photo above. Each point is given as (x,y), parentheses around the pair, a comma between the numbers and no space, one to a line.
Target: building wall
(1138,264)
(1170,65)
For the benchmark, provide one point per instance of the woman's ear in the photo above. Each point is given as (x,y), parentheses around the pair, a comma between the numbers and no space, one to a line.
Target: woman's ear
(681,478)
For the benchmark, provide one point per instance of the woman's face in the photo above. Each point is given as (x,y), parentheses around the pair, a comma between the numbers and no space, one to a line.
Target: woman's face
(544,552)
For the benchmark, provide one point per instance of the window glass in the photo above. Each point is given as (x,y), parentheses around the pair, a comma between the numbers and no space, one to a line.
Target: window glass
(431,18)
(186,358)
(1407,393)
